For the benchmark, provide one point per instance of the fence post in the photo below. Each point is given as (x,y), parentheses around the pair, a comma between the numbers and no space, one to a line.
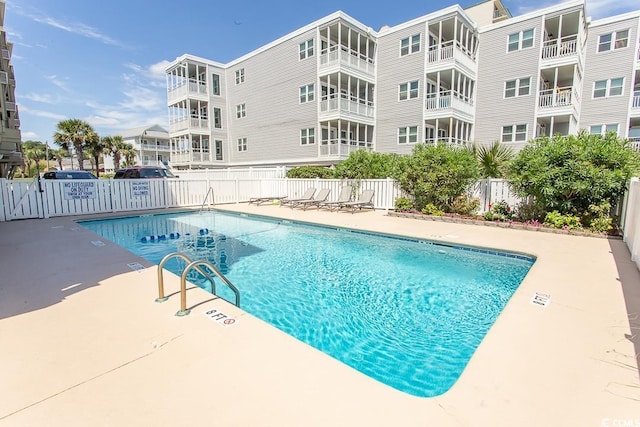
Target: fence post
(112,193)
(237,191)
(389,198)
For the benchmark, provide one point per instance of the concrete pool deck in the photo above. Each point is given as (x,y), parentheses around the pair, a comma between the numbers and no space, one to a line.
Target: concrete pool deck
(82,341)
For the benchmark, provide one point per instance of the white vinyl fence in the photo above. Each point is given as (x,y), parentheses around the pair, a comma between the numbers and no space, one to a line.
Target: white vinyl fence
(240,173)
(631,220)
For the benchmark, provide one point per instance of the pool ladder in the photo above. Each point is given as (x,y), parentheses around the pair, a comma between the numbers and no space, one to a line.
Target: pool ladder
(206,197)
(197,265)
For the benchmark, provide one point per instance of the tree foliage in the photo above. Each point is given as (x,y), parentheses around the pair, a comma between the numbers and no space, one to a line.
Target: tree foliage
(437,174)
(33,152)
(493,159)
(568,174)
(310,172)
(364,164)
(77,134)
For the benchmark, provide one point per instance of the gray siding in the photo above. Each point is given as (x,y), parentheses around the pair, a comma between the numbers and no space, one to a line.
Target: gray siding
(608,65)
(392,70)
(271,95)
(495,67)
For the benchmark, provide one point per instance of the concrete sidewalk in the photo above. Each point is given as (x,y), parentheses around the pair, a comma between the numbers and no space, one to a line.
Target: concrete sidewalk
(83,342)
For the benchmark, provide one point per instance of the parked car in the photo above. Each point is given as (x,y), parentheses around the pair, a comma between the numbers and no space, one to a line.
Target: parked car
(69,175)
(135,172)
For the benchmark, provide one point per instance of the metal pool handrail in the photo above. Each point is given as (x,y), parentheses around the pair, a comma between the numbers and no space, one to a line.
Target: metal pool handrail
(161,297)
(183,280)
(213,199)
(183,284)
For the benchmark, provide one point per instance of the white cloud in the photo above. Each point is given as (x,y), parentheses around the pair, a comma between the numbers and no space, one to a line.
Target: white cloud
(37,97)
(41,113)
(597,9)
(29,136)
(57,82)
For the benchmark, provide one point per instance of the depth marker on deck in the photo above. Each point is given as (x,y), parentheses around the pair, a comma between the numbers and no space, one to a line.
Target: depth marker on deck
(136,266)
(541,299)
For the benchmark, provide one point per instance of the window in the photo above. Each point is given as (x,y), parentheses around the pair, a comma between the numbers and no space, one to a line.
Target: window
(620,40)
(409,90)
(410,45)
(242,144)
(517,87)
(307,136)
(306,49)
(306,93)
(511,131)
(521,40)
(241,111)
(603,129)
(218,145)
(215,84)
(408,135)
(240,76)
(611,87)
(217,118)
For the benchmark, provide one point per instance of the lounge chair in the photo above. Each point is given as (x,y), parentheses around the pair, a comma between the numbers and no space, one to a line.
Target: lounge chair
(343,197)
(365,200)
(321,197)
(260,200)
(308,195)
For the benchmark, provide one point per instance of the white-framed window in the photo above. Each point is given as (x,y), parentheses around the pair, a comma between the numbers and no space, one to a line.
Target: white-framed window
(306,49)
(307,93)
(606,88)
(517,87)
(218,146)
(520,40)
(612,41)
(217,118)
(215,84)
(307,136)
(408,135)
(603,129)
(410,45)
(241,111)
(240,76)
(513,133)
(242,144)
(408,90)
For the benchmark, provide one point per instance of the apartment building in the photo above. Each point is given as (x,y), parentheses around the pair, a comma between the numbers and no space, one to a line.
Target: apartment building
(455,75)
(10,139)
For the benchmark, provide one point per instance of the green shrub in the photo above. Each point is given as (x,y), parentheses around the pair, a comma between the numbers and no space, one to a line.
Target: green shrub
(597,218)
(310,172)
(437,174)
(465,205)
(365,164)
(530,212)
(403,204)
(557,220)
(431,209)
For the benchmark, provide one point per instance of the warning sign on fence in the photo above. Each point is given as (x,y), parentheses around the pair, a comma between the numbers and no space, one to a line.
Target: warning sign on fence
(79,190)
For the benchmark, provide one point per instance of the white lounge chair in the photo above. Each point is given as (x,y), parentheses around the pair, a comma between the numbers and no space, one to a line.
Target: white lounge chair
(343,197)
(365,200)
(308,195)
(319,198)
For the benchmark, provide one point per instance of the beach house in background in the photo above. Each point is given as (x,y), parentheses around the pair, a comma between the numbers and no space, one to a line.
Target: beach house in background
(10,139)
(454,75)
(151,144)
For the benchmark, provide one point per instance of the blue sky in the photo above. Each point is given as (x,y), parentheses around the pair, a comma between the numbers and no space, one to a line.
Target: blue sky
(104,62)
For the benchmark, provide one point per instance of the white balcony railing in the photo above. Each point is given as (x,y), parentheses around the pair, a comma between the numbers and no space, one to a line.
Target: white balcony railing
(342,55)
(559,97)
(560,48)
(199,123)
(153,147)
(190,87)
(448,101)
(177,125)
(636,99)
(449,51)
(447,140)
(634,143)
(347,106)
(341,147)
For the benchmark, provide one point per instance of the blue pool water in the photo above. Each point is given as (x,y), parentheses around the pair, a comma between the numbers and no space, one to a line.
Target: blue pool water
(408,313)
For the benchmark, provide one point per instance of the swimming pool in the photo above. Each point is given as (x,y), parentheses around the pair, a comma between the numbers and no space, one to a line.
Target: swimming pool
(409,313)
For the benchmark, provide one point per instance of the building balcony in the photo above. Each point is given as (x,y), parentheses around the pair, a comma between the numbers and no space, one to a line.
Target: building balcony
(561,100)
(449,53)
(336,57)
(177,125)
(564,47)
(449,140)
(194,157)
(154,147)
(341,147)
(634,143)
(635,102)
(333,107)
(190,88)
(448,103)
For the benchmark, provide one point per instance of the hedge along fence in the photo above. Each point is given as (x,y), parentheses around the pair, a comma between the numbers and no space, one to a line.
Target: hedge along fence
(48,198)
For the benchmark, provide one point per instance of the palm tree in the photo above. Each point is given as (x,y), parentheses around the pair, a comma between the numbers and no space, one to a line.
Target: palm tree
(116,146)
(96,147)
(33,151)
(76,133)
(493,159)
(129,153)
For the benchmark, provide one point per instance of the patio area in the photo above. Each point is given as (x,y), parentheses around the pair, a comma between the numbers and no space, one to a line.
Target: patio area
(84,343)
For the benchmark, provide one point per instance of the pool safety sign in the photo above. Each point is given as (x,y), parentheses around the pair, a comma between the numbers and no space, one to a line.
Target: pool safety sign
(140,188)
(79,190)
(219,317)
(541,299)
